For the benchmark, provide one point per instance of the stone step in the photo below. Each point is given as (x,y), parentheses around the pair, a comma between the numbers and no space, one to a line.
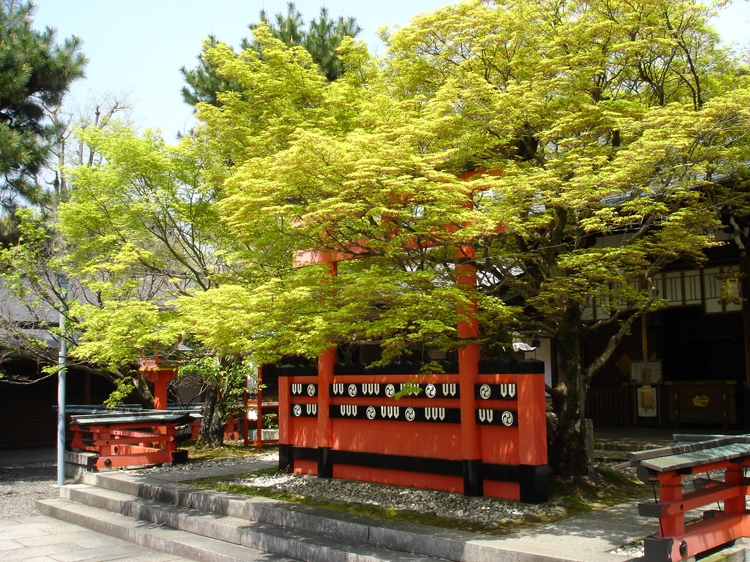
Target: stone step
(309,547)
(399,536)
(156,537)
(360,531)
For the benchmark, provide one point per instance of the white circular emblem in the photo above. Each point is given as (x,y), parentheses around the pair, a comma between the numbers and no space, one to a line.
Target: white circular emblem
(370,413)
(352,390)
(409,414)
(297,410)
(485,391)
(507,418)
(430,391)
(390,390)
(311,390)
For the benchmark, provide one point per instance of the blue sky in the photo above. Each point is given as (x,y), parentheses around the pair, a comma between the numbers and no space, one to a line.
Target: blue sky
(136,48)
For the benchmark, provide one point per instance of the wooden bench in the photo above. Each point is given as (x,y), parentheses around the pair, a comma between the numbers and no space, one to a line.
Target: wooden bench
(668,466)
(130,438)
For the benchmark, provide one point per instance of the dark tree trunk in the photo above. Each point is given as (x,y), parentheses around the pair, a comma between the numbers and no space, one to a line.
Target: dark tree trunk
(568,455)
(142,391)
(211,433)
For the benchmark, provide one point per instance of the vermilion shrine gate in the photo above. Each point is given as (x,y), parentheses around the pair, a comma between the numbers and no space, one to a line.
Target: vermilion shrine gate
(468,432)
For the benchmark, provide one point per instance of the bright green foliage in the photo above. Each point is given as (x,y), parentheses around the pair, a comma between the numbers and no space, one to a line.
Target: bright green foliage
(354,180)
(32,295)
(595,119)
(321,40)
(143,230)
(33,269)
(35,73)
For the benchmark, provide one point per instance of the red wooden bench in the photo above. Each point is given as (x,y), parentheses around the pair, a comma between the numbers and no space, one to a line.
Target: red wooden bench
(138,438)
(678,539)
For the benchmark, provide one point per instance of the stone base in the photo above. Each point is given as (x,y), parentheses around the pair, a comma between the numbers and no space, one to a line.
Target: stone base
(77,463)
(268,434)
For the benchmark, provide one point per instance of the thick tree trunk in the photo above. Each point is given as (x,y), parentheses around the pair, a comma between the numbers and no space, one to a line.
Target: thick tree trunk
(568,455)
(211,433)
(142,391)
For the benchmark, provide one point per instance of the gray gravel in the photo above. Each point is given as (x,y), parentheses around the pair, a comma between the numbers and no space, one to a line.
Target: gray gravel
(20,487)
(489,512)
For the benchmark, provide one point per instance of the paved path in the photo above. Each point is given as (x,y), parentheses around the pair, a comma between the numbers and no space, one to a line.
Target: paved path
(44,539)
(37,538)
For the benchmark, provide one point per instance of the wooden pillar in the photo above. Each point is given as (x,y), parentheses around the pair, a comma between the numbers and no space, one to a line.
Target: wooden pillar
(468,374)
(160,377)
(532,438)
(326,363)
(286,434)
(735,505)
(259,410)
(160,393)
(245,428)
(671,491)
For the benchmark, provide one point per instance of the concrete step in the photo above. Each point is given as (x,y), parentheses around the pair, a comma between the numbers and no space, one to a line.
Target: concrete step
(398,536)
(153,536)
(359,531)
(311,546)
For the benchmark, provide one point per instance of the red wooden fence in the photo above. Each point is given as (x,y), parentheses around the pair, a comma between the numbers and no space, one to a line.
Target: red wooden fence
(353,428)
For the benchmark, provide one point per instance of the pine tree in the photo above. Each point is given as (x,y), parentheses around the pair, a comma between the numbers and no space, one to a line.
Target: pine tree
(321,40)
(35,74)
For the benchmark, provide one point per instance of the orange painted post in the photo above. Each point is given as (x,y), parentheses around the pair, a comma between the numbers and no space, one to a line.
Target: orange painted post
(286,432)
(160,392)
(671,491)
(468,373)
(326,363)
(736,504)
(259,412)
(532,438)
(245,440)
(160,377)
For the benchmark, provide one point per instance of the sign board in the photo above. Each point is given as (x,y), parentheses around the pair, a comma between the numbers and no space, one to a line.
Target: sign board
(654,368)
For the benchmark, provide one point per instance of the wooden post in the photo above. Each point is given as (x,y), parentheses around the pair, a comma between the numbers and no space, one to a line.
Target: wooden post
(286,454)
(245,428)
(326,363)
(259,410)
(532,438)
(671,491)
(736,505)
(468,372)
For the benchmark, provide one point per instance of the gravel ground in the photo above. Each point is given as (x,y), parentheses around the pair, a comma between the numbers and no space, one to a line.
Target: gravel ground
(21,487)
(488,512)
